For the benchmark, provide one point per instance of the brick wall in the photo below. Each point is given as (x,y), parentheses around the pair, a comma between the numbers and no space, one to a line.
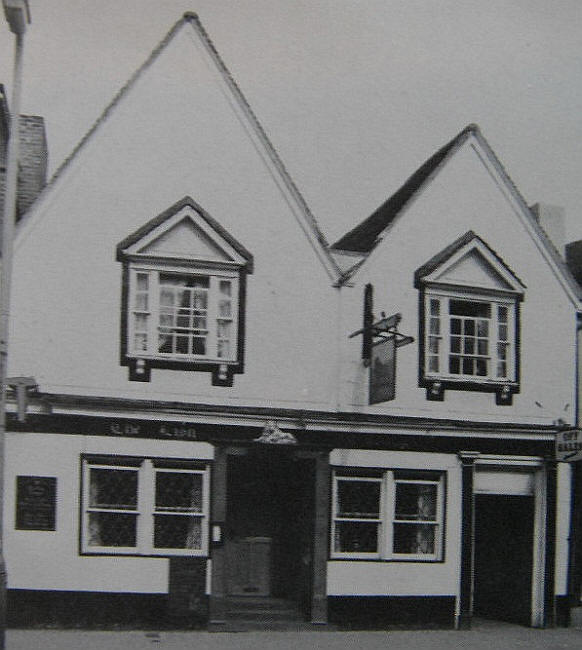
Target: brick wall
(33,162)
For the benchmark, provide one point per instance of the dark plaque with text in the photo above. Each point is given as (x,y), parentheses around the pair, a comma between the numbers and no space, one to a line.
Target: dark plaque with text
(36,502)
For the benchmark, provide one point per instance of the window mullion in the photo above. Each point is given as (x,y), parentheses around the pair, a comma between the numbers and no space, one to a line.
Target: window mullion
(205,509)
(212,316)
(388,512)
(154,297)
(145,506)
(86,504)
(234,317)
(494,341)
(445,345)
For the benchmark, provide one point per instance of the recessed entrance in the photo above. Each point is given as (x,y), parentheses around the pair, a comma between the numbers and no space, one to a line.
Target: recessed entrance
(504,536)
(269,525)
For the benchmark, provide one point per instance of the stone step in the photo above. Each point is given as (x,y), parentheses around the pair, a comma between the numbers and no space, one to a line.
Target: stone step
(264,614)
(269,626)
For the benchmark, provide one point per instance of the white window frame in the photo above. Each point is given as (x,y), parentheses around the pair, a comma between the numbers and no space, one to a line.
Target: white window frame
(443,337)
(387,514)
(152,313)
(145,510)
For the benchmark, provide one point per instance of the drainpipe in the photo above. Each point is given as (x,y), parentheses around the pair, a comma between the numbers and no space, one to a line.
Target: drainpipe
(575,537)
(18,16)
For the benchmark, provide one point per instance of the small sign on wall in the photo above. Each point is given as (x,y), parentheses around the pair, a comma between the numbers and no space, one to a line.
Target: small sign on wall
(569,445)
(383,371)
(36,502)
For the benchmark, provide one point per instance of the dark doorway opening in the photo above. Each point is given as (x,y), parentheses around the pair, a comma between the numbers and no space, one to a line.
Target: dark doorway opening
(269,525)
(504,528)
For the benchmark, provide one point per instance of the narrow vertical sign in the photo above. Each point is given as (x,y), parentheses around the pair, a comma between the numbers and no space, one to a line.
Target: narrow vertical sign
(383,371)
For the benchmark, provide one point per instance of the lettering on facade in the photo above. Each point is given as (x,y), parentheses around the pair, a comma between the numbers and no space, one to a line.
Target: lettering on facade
(172,430)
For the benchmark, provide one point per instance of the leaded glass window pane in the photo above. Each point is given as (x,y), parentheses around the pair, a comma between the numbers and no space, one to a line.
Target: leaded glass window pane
(113,488)
(112,529)
(177,531)
(417,539)
(358,499)
(356,537)
(178,491)
(416,501)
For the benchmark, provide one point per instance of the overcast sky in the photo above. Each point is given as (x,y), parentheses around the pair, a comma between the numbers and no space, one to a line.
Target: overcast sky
(355,94)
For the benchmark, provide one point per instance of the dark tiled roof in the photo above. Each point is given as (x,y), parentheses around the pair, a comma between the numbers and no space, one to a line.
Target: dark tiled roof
(365,235)
(574,259)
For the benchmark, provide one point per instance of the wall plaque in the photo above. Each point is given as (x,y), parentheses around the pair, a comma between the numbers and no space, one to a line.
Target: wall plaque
(36,504)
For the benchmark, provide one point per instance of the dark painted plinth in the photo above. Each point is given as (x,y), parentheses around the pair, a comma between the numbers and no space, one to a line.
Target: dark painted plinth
(380,612)
(90,610)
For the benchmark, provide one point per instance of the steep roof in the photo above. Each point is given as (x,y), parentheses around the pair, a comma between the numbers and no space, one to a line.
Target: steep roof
(307,220)
(364,236)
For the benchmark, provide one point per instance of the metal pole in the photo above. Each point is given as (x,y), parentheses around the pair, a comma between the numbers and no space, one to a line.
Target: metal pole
(8,220)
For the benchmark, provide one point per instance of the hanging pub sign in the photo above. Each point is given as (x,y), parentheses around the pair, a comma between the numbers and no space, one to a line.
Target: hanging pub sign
(569,445)
(382,384)
(380,340)
(36,502)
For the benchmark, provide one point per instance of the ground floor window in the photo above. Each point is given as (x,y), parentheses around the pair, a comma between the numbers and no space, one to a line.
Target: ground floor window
(387,515)
(144,506)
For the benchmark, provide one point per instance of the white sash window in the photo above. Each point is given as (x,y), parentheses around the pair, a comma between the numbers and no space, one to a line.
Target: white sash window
(145,507)
(390,515)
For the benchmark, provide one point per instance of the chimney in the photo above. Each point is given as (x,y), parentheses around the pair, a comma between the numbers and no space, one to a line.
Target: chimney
(32,168)
(552,219)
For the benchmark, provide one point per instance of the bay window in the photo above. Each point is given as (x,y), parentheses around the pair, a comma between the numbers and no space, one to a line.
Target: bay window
(183,296)
(469,338)
(184,316)
(469,321)
(387,515)
(144,507)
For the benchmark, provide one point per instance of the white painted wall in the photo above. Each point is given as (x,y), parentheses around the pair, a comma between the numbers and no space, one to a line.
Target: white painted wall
(175,133)
(465,195)
(50,559)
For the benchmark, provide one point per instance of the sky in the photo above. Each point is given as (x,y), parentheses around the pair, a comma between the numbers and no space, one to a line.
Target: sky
(354,94)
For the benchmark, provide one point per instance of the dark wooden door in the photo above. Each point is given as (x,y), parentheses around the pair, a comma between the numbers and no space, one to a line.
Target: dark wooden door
(504,526)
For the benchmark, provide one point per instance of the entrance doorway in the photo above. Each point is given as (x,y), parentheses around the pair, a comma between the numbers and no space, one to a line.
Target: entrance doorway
(504,551)
(269,525)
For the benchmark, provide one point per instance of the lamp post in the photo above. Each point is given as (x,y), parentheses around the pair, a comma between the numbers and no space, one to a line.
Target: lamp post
(17,14)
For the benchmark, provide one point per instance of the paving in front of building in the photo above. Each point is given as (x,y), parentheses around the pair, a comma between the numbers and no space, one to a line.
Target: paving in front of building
(484,635)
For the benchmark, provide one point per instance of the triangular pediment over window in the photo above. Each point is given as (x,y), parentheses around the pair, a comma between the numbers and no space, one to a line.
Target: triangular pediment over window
(185,232)
(469,262)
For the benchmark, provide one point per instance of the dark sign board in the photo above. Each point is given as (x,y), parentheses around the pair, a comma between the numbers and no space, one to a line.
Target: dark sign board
(36,502)
(383,371)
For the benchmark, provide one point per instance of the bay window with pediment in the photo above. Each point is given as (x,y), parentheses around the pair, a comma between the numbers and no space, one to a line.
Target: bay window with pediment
(184,298)
(469,322)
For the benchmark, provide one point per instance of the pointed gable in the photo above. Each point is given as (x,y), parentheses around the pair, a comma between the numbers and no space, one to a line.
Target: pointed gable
(198,104)
(367,235)
(187,232)
(469,262)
